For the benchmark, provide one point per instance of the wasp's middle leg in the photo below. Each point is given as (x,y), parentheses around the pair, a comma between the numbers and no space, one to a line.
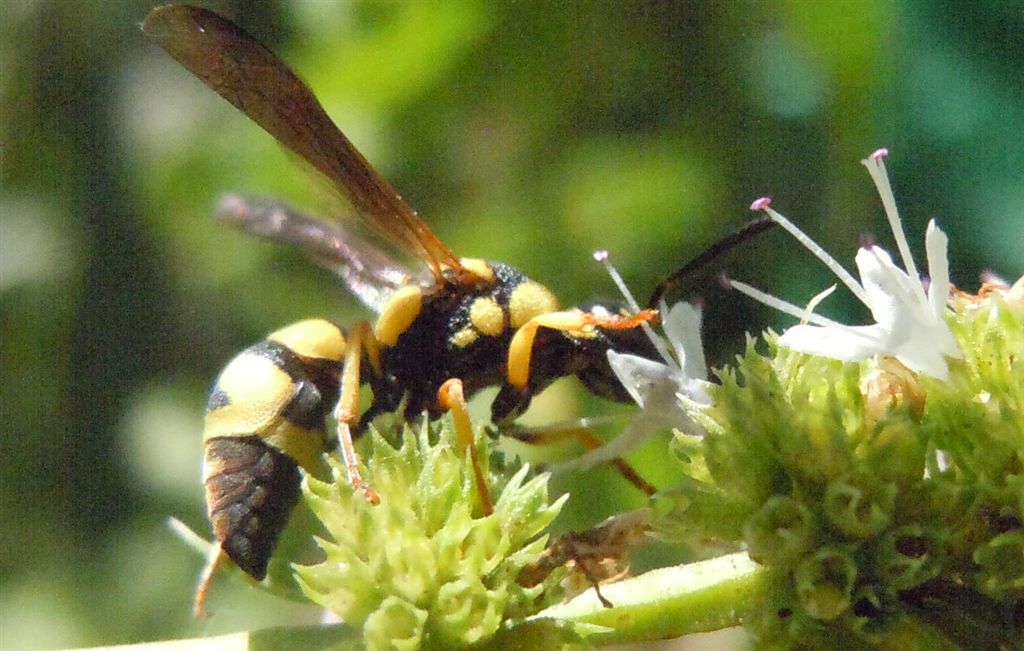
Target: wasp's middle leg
(450,396)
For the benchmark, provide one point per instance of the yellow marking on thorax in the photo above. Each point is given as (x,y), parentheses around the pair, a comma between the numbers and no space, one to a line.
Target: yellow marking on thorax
(487,316)
(401,309)
(465,337)
(315,338)
(258,391)
(530,299)
(479,268)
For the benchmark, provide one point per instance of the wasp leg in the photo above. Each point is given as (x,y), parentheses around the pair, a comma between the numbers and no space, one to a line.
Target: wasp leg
(450,397)
(217,556)
(519,359)
(586,438)
(347,410)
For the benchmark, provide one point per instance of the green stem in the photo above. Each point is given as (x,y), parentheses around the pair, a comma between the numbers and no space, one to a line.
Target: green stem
(668,602)
(335,637)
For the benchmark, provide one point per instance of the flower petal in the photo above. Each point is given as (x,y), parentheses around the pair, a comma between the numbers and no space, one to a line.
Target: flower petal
(889,291)
(644,379)
(909,323)
(936,245)
(923,354)
(847,343)
(682,327)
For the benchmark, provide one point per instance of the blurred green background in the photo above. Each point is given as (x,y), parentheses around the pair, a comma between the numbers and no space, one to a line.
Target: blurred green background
(527,132)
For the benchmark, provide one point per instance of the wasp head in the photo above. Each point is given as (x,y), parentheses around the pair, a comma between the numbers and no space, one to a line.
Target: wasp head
(582,352)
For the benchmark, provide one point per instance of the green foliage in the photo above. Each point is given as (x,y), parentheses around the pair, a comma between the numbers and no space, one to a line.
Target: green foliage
(877,498)
(424,569)
(528,132)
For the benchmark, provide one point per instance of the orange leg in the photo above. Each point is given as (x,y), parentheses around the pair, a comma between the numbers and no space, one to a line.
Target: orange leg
(587,439)
(347,410)
(217,556)
(450,397)
(520,354)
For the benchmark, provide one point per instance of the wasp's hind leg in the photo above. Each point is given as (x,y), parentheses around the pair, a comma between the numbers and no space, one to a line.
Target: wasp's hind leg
(586,438)
(346,412)
(450,396)
(213,562)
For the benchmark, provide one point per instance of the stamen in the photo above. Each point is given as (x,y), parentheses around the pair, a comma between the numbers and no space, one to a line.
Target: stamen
(876,168)
(784,306)
(602,257)
(815,301)
(814,248)
(659,343)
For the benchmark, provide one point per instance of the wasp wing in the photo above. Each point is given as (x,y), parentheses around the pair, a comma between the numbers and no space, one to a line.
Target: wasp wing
(368,272)
(247,74)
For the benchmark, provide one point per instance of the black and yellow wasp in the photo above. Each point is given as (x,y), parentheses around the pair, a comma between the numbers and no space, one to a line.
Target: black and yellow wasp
(441,334)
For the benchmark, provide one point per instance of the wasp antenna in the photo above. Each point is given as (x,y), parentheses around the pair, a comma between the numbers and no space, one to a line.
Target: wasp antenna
(714,251)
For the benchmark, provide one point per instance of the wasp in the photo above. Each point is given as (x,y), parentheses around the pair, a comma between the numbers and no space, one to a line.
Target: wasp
(442,332)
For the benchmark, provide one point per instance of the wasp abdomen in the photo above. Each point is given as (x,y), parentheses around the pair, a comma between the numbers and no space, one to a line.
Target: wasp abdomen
(266,418)
(251,488)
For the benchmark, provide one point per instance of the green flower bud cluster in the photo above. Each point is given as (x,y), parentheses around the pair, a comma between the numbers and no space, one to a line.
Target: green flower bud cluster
(425,568)
(880,501)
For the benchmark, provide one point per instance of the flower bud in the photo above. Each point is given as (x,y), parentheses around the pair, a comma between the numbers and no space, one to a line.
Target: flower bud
(422,568)
(780,532)
(908,556)
(858,505)
(824,582)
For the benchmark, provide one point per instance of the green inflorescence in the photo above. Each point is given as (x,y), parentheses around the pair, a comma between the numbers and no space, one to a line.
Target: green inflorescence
(880,501)
(425,568)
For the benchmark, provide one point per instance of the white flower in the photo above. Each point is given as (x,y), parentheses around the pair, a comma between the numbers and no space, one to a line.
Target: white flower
(652,384)
(663,389)
(909,323)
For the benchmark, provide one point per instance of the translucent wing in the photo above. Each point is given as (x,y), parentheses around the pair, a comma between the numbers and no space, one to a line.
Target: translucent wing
(257,82)
(367,271)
